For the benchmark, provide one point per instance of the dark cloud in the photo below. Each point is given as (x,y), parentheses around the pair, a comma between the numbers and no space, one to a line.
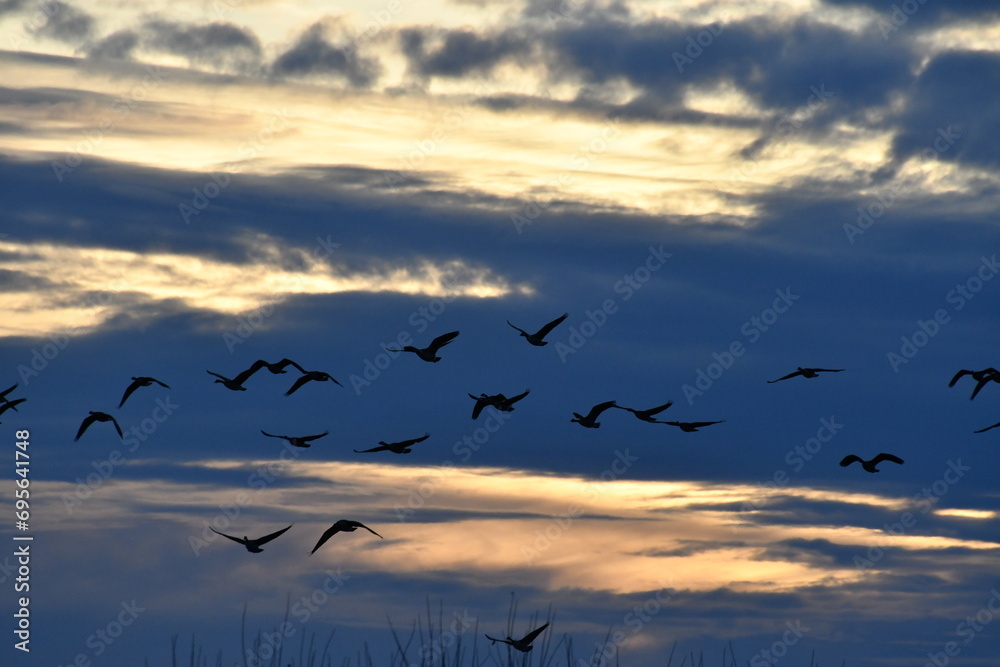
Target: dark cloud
(922,13)
(954,111)
(463,51)
(9,6)
(117,46)
(222,45)
(312,54)
(66,23)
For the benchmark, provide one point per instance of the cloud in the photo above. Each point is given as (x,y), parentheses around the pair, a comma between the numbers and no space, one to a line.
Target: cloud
(459,52)
(66,23)
(117,46)
(224,46)
(313,55)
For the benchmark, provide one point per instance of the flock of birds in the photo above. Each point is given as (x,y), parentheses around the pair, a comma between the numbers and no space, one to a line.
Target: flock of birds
(499,402)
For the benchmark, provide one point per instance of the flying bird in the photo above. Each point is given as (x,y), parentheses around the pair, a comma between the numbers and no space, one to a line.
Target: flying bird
(870,466)
(536,338)
(524,643)
(11,405)
(807,373)
(429,353)
(252,545)
(395,447)
(982,378)
(311,376)
(590,421)
(142,381)
(344,525)
(987,428)
(276,368)
(3,394)
(498,401)
(647,415)
(96,416)
(691,427)
(297,441)
(236,383)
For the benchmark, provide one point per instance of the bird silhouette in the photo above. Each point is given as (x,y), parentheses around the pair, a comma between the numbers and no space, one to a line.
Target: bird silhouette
(236,383)
(395,447)
(498,401)
(297,441)
(3,394)
(982,378)
(142,381)
(647,415)
(429,353)
(96,416)
(524,643)
(11,405)
(253,545)
(536,338)
(590,421)
(311,376)
(807,373)
(344,525)
(870,466)
(691,427)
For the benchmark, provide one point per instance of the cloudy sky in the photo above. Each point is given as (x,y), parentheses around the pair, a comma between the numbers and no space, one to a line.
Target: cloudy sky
(715,193)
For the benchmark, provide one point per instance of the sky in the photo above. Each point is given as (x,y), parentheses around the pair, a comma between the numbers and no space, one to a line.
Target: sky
(714,193)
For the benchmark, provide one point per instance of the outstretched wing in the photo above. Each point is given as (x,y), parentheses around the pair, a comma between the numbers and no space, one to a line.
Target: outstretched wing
(310,438)
(530,637)
(700,424)
(280,366)
(827,370)
(515,399)
(962,373)
(886,457)
(268,538)
(441,341)
(3,394)
(987,428)
(221,377)
(658,409)
(234,539)
(298,383)
(271,435)
(327,534)
(849,459)
(356,524)
(162,384)
(117,427)
(599,408)
(254,367)
(379,448)
(544,331)
(11,405)
(136,383)
(982,383)
(478,407)
(407,443)
(87,421)
(790,375)
(523,332)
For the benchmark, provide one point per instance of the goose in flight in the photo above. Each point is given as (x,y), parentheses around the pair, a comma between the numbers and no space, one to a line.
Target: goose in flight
(236,383)
(691,427)
(311,376)
(395,447)
(807,373)
(276,368)
(524,643)
(429,353)
(3,394)
(344,525)
(96,416)
(869,465)
(590,420)
(536,338)
(982,378)
(254,545)
(297,441)
(11,405)
(137,382)
(647,415)
(498,401)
